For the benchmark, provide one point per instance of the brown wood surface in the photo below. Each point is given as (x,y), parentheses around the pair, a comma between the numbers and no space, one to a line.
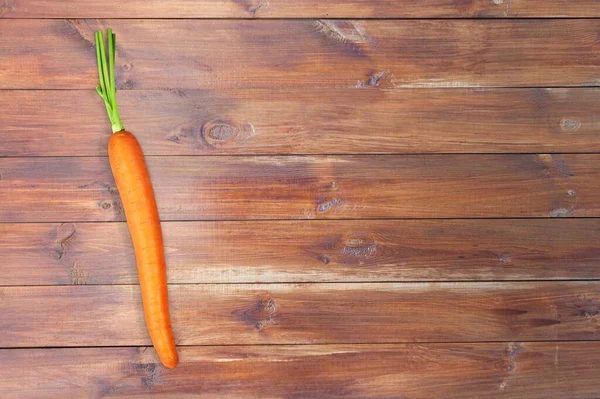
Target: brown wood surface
(298,9)
(226,314)
(220,54)
(526,370)
(310,187)
(471,125)
(323,121)
(318,251)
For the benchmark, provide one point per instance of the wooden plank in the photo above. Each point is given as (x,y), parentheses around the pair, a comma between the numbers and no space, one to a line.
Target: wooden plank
(200,188)
(303,53)
(300,9)
(325,121)
(528,370)
(226,314)
(320,251)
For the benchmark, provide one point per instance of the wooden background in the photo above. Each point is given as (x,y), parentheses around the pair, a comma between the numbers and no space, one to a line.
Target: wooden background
(361,198)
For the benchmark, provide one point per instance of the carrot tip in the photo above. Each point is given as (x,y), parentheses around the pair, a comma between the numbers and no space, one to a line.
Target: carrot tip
(170,363)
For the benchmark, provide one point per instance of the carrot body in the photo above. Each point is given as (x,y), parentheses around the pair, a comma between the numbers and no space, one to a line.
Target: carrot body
(135,188)
(133,181)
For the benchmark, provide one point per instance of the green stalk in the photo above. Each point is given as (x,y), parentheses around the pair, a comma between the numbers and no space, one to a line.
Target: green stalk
(106,73)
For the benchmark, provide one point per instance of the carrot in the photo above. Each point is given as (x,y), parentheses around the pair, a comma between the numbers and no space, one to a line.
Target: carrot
(135,188)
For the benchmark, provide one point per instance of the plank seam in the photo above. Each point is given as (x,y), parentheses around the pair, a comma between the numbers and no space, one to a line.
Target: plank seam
(366,282)
(457,18)
(580,341)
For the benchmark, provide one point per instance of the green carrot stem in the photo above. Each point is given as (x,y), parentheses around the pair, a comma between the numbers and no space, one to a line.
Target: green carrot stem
(107,88)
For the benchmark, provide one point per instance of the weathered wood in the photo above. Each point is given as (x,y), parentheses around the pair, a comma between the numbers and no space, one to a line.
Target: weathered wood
(305,313)
(526,370)
(303,53)
(298,9)
(320,251)
(197,188)
(326,121)
(329,89)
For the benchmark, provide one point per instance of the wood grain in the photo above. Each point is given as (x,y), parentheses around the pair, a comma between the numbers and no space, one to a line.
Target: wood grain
(221,54)
(310,187)
(319,251)
(484,282)
(300,9)
(325,121)
(526,370)
(305,313)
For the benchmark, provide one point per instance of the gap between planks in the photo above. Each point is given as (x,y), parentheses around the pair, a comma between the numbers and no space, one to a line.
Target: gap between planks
(358,344)
(309,282)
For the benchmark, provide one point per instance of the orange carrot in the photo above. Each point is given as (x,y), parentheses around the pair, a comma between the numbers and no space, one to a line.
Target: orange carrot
(135,188)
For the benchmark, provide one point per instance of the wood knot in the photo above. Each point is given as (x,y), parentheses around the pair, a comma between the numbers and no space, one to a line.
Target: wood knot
(505,366)
(343,31)
(329,245)
(260,314)
(126,84)
(359,245)
(585,307)
(253,7)
(260,6)
(570,124)
(377,79)
(79,28)
(219,133)
(513,349)
(114,205)
(324,258)
(331,205)
(555,165)
(351,36)
(349,249)
(504,258)
(65,233)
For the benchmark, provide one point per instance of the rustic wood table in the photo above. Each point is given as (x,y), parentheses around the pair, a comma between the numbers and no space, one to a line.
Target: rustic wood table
(360,199)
